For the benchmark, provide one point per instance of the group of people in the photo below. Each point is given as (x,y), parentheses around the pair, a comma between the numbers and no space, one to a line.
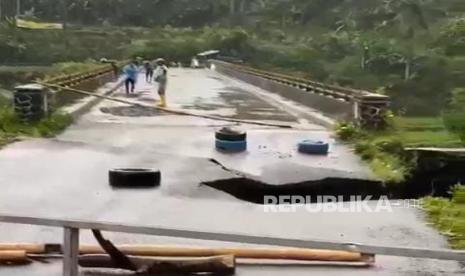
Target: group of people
(154,70)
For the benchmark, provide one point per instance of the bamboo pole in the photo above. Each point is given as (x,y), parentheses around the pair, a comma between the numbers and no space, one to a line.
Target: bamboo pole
(176,112)
(30,248)
(296,254)
(15,257)
(245,253)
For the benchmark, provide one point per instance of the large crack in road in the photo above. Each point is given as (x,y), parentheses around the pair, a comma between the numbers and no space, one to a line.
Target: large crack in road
(251,189)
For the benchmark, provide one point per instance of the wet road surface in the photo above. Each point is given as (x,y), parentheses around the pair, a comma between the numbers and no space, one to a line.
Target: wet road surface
(66,177)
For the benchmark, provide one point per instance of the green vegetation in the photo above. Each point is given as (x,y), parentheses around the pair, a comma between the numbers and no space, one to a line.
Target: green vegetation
(448,215)
(11,127)
(454,117)
(73,67)
(384,150)
(10,76)
(183,44)
(411,50)
(45,47)
(384,154)
(424,132)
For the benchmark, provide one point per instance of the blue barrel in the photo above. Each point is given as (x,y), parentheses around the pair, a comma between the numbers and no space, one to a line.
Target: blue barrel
(231,146)
(313,147)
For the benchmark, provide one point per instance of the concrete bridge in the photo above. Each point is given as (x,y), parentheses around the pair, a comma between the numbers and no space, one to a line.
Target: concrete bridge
(67,177)
(364,108)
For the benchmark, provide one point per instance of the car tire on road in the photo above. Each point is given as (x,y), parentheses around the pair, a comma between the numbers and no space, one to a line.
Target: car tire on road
(231,146)
(127,178)
(313,147)
(227,134)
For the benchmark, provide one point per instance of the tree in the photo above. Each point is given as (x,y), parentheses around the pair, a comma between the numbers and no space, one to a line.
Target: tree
(408,19)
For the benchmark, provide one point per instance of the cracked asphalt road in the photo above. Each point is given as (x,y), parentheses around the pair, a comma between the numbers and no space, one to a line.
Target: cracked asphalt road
(66,177)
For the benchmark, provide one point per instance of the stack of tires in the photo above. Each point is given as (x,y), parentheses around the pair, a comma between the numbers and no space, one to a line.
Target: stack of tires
(229,140)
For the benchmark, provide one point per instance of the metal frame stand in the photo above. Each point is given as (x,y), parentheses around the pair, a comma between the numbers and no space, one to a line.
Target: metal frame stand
(70,252)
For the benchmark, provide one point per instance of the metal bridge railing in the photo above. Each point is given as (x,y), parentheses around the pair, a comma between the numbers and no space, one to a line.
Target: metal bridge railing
(76,78)
(369,108)
(318,87)
(72,228)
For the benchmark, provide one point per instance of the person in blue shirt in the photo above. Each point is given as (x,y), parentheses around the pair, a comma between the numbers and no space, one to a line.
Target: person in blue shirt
(130,72)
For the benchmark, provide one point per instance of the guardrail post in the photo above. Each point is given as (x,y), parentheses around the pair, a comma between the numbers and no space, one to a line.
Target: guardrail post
(356,107)
(371,111)
(31,102)
(70,252)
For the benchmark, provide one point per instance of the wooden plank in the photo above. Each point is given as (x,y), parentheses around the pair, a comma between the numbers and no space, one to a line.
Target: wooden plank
(442,254)
(70,251)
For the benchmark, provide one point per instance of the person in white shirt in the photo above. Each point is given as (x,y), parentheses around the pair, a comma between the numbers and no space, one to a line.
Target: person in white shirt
(161,77)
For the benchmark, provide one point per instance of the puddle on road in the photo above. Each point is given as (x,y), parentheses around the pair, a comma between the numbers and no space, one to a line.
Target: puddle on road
(247,106)
(216,78)
(131,111)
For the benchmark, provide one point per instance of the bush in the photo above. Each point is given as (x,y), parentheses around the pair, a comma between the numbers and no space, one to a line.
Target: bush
(366,150)
(390,168)
(347,131)
(454,117)
(73,67)
(10,76)
(427,93)
(385,157)
(449,215)
(183,44)
(3,102)
(458,194)
(391,146)
(9,122)
(455,123)
(11,125)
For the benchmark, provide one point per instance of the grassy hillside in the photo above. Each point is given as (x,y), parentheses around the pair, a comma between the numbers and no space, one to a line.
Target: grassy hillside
(448,215)
(411,50)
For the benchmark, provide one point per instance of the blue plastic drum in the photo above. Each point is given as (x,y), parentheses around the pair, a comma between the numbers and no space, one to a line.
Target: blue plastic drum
(314,147)
(231,146)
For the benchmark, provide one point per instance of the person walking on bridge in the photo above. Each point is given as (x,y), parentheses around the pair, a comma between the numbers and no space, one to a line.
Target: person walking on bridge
(161,76)
(130,71)
(114,66)
(148,71)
